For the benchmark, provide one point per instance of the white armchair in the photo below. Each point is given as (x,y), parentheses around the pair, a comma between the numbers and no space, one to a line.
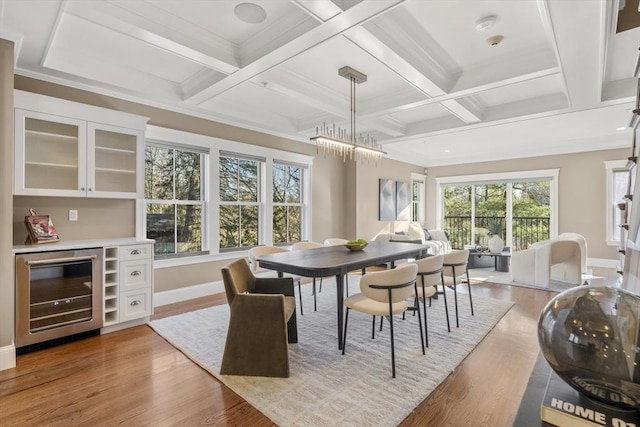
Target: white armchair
(536,264)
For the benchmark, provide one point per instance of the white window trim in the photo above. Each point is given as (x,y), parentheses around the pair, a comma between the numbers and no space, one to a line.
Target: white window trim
(423,209)
(215,145)
(611,166)
(504,177)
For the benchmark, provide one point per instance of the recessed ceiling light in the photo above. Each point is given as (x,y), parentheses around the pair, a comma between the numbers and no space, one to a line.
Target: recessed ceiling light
(250,13)
(495,40)
(447,151)
(621,128)
(485,23)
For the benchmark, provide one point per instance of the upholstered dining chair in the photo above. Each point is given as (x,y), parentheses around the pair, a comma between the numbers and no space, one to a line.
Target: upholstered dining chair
(258,251)
(429,277)
(454,271)
(301,246)
(261,324)
(384,293)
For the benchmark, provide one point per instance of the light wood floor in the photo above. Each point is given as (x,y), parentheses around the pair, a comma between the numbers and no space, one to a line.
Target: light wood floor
(135,378)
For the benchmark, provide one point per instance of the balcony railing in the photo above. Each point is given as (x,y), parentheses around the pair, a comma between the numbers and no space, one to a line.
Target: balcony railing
(526,230)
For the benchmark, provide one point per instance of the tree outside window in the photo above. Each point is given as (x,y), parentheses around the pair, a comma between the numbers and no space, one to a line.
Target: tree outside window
(174,200)
(239,202)
(287,203)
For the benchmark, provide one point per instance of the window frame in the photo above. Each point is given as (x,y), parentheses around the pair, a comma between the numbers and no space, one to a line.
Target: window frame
(203,202)
(215,146)
(612,213)
(300,204)
(420,202)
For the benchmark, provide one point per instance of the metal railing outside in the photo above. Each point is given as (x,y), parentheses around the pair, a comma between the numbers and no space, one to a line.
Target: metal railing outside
(525,230)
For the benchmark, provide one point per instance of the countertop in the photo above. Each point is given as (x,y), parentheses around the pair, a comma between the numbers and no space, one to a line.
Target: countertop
(62,245)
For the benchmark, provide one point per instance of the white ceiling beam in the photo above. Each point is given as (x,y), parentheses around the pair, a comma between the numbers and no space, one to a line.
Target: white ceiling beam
(90,12)
(353,17)
(322,10)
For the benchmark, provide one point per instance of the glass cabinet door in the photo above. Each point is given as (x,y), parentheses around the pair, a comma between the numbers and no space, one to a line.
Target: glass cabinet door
(115,160)
(50,154)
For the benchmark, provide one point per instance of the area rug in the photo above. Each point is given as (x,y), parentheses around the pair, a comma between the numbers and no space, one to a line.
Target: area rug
(327,388)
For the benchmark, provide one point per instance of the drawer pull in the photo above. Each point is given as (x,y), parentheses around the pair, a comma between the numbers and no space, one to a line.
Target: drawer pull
(136,252)
(135,302)
(136,273)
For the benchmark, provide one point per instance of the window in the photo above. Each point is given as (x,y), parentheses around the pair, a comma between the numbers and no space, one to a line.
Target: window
(215,197)
(239,202)
(174,202)
(617,184)
(520,207)
(287,203)
(417,198)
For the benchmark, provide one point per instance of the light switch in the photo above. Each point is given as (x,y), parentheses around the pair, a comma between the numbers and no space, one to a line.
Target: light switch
(73,215)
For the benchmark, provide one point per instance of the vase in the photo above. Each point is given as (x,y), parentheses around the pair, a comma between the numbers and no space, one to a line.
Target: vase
(495,244)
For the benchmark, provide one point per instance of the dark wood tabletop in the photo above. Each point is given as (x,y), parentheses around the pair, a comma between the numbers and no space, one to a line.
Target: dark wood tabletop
(338,261)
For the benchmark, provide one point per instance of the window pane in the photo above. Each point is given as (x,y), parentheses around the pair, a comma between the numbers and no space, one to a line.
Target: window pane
(293,185)
(295,223)
(187,175)
(248,181)
(249,227)
(287,224)
(158,183)
(280,224)
(161,227)
(229,226)
(279,187)
(228,179)
(189,228)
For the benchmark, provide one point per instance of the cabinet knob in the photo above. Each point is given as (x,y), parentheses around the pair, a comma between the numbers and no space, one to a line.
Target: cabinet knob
(90,189)
(81,188)
(135,302)
(136,252)
(136,273)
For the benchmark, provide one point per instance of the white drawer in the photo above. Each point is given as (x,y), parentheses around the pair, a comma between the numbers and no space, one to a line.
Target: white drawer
(135,274)
(130,252)
(135,304)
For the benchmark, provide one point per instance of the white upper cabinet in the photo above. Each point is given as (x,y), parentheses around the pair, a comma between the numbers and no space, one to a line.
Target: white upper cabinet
(64,148)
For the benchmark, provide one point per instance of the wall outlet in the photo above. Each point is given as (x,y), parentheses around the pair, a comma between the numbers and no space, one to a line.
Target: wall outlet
(73,215)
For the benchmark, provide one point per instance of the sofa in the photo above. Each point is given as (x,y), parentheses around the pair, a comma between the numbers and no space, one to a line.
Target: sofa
(555,259)
(437,240)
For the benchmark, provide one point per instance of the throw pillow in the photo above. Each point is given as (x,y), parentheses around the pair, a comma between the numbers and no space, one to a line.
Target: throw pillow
(427,235)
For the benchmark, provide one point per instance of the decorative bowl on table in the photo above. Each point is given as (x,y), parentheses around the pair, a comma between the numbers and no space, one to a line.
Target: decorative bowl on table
(356,245)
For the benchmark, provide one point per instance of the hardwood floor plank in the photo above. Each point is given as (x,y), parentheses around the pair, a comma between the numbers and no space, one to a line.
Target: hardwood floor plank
(134,377)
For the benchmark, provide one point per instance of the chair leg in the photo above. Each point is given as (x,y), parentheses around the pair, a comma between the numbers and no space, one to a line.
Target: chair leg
(315,304)
(446,306)
(424,305)
(373,328)
(422,335)
(320,285)
(381,320)
(469,285)
(344,334)
(300,297)
(393,350)
(455,296)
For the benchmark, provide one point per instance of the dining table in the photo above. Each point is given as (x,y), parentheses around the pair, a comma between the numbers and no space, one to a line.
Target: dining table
(337,261)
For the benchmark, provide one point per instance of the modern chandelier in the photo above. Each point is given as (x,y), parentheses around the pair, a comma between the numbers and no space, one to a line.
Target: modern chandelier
(339,141)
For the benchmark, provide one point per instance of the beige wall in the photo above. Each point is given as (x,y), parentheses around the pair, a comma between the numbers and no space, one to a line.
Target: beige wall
(104,218)
(367,188)
(581,188)
(6,180)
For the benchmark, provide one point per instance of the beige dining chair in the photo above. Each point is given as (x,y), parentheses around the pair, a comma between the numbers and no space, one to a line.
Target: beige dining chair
(429,277)
(258,251)
(454,272)
(385,293)
(301,246)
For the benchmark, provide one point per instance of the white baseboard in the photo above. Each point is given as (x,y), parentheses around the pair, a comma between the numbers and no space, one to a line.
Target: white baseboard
(187,293)
(603,262)
(7,357)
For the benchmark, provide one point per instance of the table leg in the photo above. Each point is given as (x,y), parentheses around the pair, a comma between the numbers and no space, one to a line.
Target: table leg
(340,307)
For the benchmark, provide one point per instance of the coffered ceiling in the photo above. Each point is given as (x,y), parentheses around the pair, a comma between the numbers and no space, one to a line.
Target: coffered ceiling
(437,92)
